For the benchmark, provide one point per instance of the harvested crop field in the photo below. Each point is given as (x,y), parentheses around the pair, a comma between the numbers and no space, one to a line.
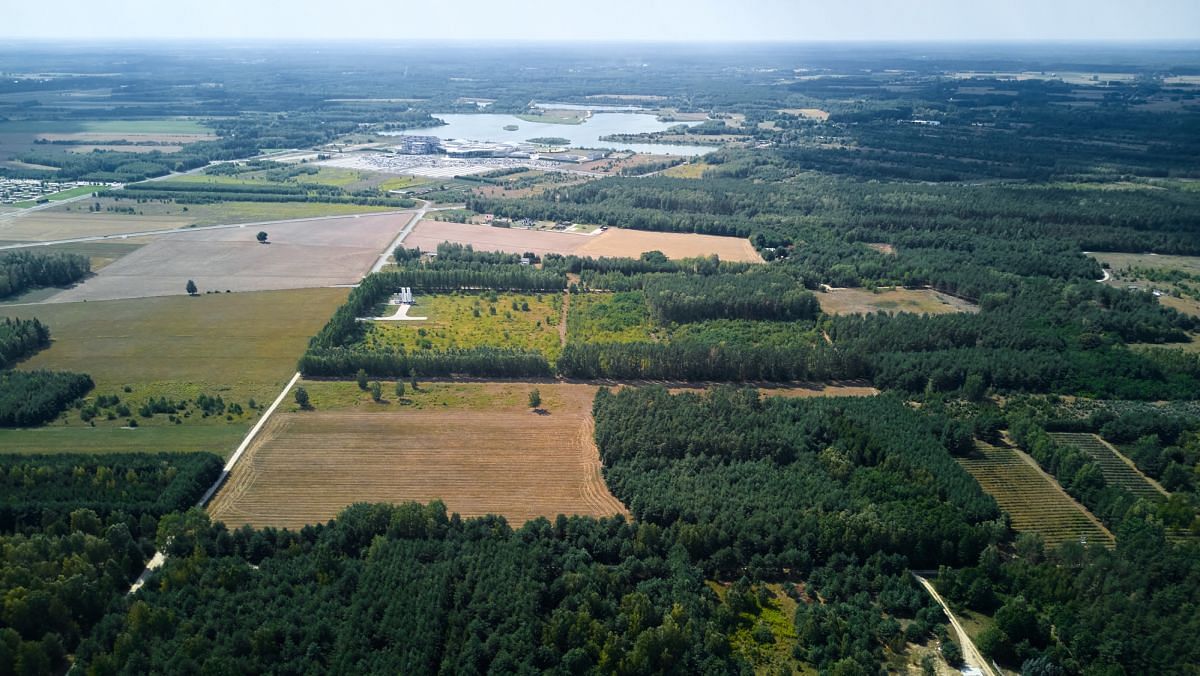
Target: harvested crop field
(613,242)
(54,224)
(302,254)
(428,234)
(633,243)
(1034,501)
(479,453)
(920,301)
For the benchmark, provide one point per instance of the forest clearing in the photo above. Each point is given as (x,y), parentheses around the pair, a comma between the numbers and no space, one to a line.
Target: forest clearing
(1116,468)
(613,242)
(481,454)
(920,301)
(1034,501)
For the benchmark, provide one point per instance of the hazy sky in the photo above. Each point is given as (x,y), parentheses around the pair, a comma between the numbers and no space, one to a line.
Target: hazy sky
(675,20)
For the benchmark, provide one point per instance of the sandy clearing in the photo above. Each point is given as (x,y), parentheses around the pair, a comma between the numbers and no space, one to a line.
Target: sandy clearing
(632,243)
(302,254)
(428,234)
(849,388)
(307,466)
(811,113)
(920,301)
(612,242)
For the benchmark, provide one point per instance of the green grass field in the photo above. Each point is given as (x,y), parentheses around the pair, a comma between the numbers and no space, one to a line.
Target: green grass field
(452,323)
(609,318)
(236,346)
(337,395)
(63,195)
(555,117)
(80,438)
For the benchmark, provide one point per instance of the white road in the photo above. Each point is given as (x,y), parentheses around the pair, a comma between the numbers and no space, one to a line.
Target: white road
(159,557)
(404,232)
(971,654)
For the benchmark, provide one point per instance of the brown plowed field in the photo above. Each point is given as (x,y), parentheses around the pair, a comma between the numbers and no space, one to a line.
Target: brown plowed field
(613,242)
(305,467)
(307,253)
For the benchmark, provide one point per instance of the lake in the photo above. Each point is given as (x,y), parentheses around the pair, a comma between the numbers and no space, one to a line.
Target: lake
(490,127)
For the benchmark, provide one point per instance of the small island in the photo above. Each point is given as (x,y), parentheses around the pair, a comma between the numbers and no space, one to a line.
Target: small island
(549,140)
(511,127)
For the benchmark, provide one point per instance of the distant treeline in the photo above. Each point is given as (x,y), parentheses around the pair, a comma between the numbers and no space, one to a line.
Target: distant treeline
(21,271)
(208,193)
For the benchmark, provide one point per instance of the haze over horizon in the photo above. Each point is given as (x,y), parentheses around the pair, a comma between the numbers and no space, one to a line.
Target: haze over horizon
(615,20)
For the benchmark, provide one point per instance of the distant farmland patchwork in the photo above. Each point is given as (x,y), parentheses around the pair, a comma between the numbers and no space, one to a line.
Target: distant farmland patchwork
(1032,499)
(478,455)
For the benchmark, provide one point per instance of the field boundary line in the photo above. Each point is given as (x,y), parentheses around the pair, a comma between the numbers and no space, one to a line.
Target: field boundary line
(246,442)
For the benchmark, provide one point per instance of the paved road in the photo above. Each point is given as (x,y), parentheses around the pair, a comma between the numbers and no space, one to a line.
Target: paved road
(404,232)
(971,654)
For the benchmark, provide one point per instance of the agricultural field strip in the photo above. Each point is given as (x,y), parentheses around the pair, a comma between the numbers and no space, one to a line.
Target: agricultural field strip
(1034,501)
(159,558)
(1115,467)
(174,231)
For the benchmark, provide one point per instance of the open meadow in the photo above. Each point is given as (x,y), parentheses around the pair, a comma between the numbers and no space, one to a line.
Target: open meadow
(522,321)
(478,447)
(1034,501)
(301,254)
(239,347)
(919,301)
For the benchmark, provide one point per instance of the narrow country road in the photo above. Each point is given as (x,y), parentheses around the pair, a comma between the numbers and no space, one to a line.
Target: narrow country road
(971,654)
(418,215)
(159,557)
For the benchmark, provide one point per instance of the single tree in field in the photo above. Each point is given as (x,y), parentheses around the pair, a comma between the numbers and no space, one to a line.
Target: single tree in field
(361,378)
(302,398)
(535,398)
(399,389)
(413,384)
(191,288)
(262,236)
(376,391)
